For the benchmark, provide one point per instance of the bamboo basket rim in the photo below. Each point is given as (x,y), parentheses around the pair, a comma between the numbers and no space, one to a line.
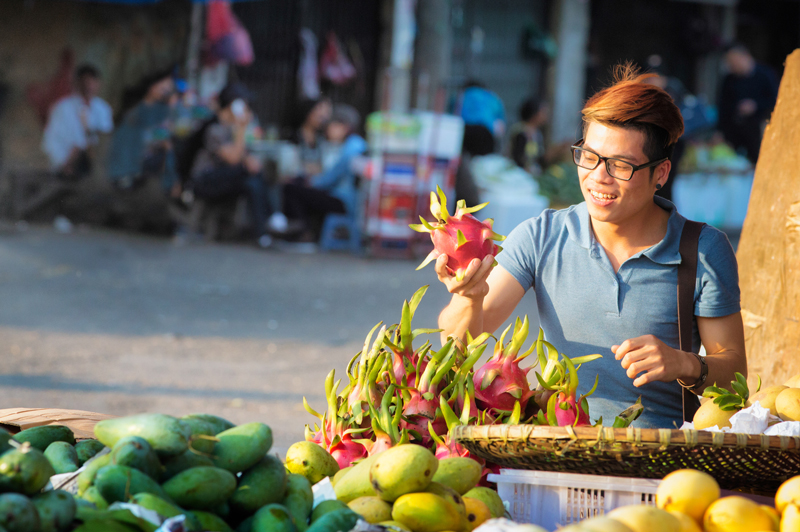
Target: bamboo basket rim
(631,435)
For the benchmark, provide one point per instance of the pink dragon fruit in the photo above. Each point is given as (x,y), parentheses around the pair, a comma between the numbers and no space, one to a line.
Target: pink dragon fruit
(335,433)
(461,237)
(363,389)
(421,403)
(386,432)
(500,383)
(564,408)
(405,358)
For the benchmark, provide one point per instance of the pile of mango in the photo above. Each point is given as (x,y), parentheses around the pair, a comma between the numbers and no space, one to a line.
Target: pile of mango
(27,461)
(407,489)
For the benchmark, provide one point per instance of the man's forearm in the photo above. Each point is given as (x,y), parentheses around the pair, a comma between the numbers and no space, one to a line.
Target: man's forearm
(461,315)
(721,369)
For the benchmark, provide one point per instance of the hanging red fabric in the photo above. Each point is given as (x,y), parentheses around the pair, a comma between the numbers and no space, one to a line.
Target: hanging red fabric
(226,36)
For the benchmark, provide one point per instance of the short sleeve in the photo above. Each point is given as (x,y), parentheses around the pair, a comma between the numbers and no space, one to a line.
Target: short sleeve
(717,293)
(217,136)
(519,252)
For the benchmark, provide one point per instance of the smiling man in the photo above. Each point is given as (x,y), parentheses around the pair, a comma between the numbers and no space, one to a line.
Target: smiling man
(605,271)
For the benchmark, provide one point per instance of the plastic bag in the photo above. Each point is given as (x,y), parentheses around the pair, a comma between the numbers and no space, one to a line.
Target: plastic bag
(334,64)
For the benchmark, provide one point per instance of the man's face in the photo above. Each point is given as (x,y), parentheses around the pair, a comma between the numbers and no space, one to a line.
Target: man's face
(738,62)
(613,200)
(89,86)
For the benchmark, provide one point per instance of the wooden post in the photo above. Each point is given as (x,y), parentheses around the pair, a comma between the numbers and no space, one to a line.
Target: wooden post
(769,249)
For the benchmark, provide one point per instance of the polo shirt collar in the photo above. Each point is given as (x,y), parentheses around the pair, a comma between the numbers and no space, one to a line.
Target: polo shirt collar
(665,252)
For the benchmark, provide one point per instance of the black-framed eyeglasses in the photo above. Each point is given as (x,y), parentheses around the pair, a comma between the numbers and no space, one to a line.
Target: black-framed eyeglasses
(616,168)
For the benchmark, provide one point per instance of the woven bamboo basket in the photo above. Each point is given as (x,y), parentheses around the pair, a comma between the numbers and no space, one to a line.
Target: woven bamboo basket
(752,463)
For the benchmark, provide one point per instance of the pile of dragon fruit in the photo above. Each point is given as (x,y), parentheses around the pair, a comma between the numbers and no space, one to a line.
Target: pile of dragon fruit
(398,392)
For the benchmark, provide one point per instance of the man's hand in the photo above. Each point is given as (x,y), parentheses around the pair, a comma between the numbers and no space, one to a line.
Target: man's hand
(473,285)
(655,360)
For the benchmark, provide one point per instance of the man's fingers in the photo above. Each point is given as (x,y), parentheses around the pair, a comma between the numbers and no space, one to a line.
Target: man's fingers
(637,366)
(631,344)
(441,266)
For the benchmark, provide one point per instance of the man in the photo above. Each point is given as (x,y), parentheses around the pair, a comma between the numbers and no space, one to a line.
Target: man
(746,100)
(605,271)
(74,124)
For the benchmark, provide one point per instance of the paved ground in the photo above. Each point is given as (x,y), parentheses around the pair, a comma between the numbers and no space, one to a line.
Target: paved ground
(116,323)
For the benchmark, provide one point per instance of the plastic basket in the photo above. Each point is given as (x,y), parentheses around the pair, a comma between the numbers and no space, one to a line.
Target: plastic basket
(551,499)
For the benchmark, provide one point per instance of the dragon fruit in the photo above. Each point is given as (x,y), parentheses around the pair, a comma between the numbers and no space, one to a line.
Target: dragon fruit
(363,388)
(500,383)
(461,237)
(560,377)
(386,430)
(405,357)
(420,401)
(335,433)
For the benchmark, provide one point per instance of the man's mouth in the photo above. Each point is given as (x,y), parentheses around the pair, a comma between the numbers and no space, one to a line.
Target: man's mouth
(602,196)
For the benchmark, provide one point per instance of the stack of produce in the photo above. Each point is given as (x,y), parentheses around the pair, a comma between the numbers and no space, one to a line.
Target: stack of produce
(406,488)
(27,462)
(689,501)
(782,401)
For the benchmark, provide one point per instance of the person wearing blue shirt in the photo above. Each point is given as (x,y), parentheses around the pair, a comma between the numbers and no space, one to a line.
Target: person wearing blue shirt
(604,272)
(334,190)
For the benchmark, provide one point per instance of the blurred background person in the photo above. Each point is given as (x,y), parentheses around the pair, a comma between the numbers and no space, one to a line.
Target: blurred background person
(526,145)
(141,147)
(74,124)
(310,136)
(225,169)
(335,190)
(748,95)
(484,118)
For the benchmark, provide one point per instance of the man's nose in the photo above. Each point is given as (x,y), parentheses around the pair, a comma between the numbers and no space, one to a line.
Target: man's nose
(600,174)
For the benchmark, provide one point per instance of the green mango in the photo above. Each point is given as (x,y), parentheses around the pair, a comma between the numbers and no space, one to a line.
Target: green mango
(18,513)
(106,525)
(344,519)
(182,462)
(4,437)
(165,509)
(326,507)
(406,468)
(209,521)
(217,423)
(264,483)
(201,487)
(273,518)
(242,447)
(82,503)
(62,457)
(86,450)
(117,483)
(490,498)
(299,500)
(93,496)
(355,483)
(41,437)
(56,510)
(460,473)
(246,525)
(135,452)
(168,436)
(202,439)
(223,510)
(86,477)
(24,470)
(310,460)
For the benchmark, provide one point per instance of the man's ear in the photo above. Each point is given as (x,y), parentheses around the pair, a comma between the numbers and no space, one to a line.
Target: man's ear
(662,172)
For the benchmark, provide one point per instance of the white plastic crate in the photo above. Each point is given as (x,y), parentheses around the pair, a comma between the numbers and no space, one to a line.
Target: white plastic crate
(551,500)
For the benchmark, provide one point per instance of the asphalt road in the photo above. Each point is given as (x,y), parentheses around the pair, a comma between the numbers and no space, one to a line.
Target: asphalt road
(117,323)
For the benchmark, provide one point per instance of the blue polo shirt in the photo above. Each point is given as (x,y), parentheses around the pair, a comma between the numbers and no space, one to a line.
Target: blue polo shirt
(585,307)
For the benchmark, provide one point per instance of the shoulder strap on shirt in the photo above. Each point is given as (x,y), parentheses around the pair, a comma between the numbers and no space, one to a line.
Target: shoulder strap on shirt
(687,275)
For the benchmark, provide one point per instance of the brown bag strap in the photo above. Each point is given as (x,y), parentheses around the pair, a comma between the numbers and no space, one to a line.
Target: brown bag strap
(687,275)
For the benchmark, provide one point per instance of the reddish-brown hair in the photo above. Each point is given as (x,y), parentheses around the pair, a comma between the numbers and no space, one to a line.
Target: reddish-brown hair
(631,102)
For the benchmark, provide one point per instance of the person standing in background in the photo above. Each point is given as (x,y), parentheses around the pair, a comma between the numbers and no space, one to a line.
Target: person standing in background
(74,124)
(746,100)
